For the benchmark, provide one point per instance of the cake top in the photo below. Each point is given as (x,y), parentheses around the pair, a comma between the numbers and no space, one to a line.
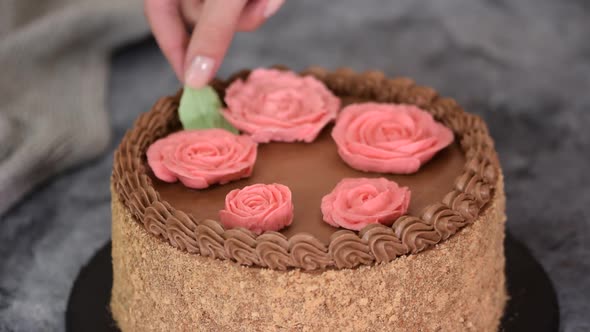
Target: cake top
(308,193)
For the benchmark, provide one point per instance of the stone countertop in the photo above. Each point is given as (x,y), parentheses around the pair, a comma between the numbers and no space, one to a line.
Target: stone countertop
(523,65)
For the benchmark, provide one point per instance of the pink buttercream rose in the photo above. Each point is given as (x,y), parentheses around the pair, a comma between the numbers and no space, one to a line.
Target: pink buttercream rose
(273,105)
(388,138)
(357,202)
(200,158)
(259,208)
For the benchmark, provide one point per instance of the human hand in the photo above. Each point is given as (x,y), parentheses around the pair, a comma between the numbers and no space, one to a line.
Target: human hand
(196,57)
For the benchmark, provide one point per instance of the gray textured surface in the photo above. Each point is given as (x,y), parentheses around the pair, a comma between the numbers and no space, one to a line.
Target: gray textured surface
(523,65)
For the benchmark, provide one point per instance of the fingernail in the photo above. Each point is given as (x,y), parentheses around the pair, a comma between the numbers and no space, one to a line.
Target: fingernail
(199,72)
(272,7)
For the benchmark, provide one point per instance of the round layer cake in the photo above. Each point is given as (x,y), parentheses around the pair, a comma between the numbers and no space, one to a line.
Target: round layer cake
(438,267)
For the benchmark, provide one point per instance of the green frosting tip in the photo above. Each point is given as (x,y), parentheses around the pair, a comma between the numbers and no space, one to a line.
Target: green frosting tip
(200,109)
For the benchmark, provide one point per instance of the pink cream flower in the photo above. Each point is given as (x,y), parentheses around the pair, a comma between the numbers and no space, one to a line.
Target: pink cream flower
(357,202)
(259,208)
(200,158)
(273,105)
(388,138)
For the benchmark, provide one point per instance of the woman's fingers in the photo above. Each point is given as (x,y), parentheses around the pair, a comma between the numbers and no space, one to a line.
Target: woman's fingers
(253,15)
(210,40)
(196,59)
(255,12)
(169,30)
(191,9)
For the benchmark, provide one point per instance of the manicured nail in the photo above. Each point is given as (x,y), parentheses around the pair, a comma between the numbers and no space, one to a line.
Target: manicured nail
(272,7)
(199,72)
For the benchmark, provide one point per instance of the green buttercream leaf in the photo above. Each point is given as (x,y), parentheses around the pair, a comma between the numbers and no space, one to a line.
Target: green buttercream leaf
(200,109)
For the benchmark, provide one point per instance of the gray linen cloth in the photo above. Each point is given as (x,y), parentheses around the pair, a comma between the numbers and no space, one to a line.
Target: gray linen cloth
(54,58)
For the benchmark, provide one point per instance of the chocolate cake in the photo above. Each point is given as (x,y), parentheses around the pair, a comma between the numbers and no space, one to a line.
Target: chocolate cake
(435,263)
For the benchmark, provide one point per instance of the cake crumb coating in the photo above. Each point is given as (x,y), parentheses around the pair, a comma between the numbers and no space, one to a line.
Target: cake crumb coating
(459,285)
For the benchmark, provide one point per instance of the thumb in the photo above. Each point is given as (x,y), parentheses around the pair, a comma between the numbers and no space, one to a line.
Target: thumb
(210,40)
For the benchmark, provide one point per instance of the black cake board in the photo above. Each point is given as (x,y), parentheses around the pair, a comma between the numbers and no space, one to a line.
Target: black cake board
(532,305)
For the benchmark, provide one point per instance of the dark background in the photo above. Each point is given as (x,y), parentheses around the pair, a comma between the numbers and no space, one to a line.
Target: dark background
(523,65)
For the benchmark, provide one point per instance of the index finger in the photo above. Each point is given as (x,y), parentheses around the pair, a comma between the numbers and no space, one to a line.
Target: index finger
(211,39)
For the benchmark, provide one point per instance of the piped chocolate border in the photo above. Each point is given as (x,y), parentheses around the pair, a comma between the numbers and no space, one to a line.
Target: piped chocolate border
(347,249)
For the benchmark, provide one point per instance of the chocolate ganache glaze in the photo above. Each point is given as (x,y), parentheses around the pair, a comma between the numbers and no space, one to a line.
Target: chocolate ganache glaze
(448,192)
(312,170)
